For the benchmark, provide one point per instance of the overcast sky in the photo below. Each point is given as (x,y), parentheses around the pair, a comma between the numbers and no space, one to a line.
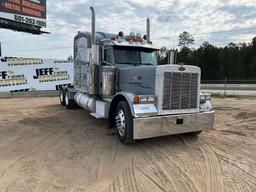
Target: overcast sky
(216,21)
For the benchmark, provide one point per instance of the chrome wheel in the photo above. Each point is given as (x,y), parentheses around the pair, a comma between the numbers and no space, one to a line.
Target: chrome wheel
(61,96)
(66,98)
(120,122)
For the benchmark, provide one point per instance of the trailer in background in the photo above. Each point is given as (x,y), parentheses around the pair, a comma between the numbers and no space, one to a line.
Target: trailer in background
(28,74)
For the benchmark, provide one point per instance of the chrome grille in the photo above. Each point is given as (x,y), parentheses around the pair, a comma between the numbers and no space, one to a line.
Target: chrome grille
(180,91)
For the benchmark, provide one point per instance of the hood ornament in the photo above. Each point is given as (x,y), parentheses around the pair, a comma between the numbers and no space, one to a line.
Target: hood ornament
(182,68)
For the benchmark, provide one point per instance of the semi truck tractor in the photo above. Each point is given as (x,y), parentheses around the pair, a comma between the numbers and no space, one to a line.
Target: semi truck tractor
(117,77)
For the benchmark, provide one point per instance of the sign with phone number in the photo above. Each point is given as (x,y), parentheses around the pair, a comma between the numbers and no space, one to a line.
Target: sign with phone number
(30,21)
(31,12)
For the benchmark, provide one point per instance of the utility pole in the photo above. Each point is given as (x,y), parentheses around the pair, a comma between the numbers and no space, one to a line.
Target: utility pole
(225,89)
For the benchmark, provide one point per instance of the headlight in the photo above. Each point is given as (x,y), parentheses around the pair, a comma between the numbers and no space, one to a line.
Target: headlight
(206,106)
(143,99)
(205,97)
(151,99)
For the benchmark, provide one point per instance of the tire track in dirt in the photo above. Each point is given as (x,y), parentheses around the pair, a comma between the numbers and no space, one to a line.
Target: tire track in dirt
(242,186)
(128,180)
(116,163)
(111,149)
(39,147)
(214,175)
(221,152)
(133,177)
(165,166)
(223,155)
(129,177)
(169,162)
(161,177)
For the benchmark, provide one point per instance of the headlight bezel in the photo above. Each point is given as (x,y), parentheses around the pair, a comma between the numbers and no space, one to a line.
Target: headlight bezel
(205,97)
(145,99)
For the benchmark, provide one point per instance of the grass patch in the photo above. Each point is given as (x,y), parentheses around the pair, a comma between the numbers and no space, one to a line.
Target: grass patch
(238,97)
(219,96)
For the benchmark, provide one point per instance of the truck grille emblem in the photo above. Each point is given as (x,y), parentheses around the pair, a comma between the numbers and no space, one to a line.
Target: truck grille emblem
(181,68)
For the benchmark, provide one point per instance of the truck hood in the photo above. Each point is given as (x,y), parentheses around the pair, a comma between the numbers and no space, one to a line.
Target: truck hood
(139,80)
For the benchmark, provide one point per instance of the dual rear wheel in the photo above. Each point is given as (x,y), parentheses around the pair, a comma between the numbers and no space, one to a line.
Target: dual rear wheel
(62,97)
(65,99)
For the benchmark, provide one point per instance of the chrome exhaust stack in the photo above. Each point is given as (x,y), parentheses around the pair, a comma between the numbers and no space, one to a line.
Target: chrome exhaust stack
(94,59)
(148,30)
(93,40)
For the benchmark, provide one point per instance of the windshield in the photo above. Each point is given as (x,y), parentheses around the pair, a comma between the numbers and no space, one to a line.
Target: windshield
(135,56)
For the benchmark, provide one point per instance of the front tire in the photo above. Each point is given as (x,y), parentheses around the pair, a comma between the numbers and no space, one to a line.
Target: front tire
(124,123)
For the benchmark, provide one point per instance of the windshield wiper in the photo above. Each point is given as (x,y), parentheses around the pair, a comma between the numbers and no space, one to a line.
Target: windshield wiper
(129,63)
(147,64)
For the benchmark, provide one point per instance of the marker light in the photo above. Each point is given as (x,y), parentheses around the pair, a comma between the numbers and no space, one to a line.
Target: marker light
(128,39)
(136,99)
(138,35)
(140,40)
(132,34)
(114,37)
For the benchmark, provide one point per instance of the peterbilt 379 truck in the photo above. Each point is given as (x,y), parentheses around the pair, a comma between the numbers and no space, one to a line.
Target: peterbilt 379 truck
(117,77)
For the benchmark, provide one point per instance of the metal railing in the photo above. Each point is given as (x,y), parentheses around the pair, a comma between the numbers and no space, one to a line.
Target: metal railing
(230,87)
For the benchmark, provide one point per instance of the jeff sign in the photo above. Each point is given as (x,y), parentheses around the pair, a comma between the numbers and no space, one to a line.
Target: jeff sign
(3,74)
(18,74)
(30,12)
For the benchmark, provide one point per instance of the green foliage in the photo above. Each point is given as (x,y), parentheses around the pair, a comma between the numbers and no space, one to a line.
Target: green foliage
(185,40)
(218,95)
(163,56)
(234,61)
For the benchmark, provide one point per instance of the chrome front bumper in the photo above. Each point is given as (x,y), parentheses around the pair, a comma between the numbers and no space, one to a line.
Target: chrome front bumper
(171,124)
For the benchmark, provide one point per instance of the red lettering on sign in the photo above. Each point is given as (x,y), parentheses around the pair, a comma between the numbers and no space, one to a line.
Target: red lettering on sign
(15,1)
(33,6)
(31,12)
(12,6)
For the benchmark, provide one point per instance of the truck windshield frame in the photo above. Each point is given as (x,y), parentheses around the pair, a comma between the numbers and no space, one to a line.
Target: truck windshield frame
(135,55)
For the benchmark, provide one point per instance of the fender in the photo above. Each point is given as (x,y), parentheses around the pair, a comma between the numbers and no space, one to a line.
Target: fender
(123,96)
(137,110)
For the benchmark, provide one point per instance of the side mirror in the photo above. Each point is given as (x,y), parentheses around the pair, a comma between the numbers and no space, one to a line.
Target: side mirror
(106,55)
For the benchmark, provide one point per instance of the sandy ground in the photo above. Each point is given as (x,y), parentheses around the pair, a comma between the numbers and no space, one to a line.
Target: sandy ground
(44,147)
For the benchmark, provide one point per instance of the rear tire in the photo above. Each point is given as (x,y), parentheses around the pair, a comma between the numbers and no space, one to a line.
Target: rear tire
(62,97)
(124,123)
(70,103)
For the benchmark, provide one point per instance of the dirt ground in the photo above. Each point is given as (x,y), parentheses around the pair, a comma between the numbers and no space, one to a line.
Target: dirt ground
(44,147)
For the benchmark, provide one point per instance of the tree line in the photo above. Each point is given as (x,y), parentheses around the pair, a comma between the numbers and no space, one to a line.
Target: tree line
(236,61)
